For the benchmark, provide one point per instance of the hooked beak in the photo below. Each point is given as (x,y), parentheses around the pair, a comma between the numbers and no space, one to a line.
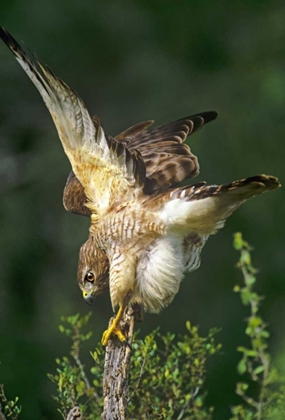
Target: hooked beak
(88,297)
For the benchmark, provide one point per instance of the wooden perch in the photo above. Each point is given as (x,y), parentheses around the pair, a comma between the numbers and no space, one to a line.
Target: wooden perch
(116,371)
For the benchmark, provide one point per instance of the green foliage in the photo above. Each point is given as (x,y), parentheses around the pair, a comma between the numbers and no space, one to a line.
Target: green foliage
(168,374)
(172,367)
(268,402)
(168,371)
(11,409)
(73,385)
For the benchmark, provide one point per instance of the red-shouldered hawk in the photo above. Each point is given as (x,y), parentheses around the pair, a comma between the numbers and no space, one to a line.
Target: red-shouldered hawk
(145,230)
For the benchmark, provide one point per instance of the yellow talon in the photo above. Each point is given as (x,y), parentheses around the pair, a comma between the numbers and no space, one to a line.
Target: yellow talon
(114,329)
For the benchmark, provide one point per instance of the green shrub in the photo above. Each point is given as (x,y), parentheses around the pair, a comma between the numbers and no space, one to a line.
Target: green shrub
(167,373)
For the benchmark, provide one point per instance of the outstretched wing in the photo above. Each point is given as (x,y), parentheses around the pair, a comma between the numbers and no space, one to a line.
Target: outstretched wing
(104,167)
(167,158)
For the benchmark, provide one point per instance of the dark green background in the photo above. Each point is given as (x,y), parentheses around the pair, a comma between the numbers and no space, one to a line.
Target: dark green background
(132,61)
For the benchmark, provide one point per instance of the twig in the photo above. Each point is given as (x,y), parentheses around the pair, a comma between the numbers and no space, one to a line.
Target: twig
(10,412)
(74,414)
(2,417)
(83,374)
(75,353)
(116,371)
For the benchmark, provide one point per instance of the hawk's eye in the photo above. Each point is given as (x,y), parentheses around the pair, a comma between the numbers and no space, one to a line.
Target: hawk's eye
(89,276)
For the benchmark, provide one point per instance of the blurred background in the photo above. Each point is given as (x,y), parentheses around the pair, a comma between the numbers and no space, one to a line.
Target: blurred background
(132,61)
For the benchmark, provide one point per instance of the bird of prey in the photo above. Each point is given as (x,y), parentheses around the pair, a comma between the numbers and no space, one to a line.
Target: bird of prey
(145,229)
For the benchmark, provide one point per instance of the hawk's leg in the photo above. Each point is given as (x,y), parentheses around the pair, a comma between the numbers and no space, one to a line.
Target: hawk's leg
(115,326)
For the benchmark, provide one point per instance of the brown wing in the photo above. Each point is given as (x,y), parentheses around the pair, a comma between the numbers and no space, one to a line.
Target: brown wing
(167,159)
(74,197)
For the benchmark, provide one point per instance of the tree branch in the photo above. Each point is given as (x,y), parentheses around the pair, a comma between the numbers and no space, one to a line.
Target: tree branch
(74,414)
(116,371)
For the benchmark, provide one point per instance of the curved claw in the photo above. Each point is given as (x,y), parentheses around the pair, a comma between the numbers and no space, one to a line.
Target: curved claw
(114,329)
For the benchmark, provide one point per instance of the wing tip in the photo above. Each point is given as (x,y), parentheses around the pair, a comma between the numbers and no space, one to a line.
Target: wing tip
(9,40)
(270,182)
(209,116)
(4,34)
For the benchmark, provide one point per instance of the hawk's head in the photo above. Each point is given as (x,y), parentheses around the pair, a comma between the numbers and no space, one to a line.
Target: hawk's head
(93,270)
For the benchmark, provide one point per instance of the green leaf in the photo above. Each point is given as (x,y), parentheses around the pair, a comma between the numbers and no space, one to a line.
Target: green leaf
(259,369)
(242,367)
(241,387)
(245,257)
(238,241)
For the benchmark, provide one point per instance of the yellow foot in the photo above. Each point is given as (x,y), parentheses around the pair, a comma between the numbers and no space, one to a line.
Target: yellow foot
(114,329)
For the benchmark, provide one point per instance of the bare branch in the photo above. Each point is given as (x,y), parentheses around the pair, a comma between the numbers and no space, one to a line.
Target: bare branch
(74,414)
(116,371)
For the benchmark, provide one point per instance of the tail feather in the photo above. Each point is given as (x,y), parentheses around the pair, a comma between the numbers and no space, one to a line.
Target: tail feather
(204,209)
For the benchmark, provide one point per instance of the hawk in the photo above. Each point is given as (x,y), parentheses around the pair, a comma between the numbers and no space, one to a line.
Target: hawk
(145,229)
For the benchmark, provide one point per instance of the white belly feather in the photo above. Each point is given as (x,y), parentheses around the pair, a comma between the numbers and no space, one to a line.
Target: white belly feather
(159,273)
